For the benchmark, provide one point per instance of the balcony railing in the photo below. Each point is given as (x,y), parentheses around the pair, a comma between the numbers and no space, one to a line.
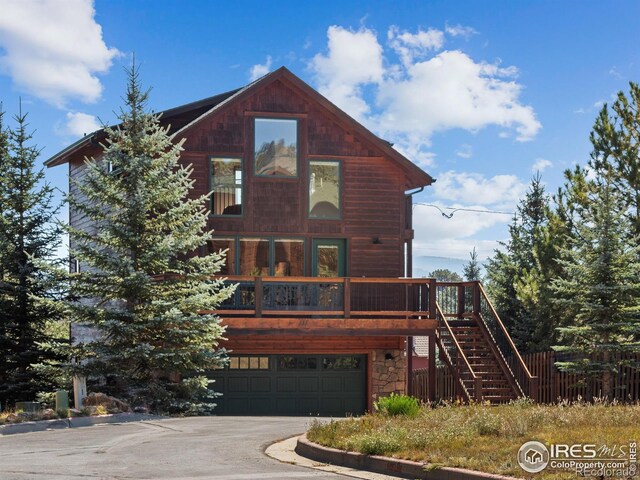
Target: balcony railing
(329,297)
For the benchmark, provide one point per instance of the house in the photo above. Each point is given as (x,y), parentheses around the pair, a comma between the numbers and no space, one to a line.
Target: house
(315,213)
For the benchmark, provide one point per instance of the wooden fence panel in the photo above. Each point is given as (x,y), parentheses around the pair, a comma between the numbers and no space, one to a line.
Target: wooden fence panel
(553,385)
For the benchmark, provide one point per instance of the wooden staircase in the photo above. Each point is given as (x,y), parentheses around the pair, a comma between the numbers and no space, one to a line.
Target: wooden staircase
(475,345)
(495,383)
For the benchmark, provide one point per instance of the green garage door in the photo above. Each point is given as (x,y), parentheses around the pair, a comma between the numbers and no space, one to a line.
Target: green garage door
(332,385)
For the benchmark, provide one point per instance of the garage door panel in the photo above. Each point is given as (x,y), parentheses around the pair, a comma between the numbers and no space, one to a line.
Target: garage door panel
(237,406)
(332,384)
(238,385)
(286,384)
(260,384)
(308,384)
(260,406)
(308,406)
(353,384)
(284,406)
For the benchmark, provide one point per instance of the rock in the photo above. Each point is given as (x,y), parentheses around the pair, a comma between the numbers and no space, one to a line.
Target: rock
(13,418)
(111,404)
(91,410)
(140,409)
(49,413)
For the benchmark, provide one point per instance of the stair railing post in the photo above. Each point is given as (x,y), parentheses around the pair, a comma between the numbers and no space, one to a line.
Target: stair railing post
(476,298)
(478,388)
(461,301)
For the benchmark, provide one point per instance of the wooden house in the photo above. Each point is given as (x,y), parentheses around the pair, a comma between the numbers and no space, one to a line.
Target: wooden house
(315,213)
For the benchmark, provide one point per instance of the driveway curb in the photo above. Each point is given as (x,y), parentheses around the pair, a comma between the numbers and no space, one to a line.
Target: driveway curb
(386,465)
(74,422)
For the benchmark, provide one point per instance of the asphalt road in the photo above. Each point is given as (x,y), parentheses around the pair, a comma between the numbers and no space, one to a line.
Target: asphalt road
(220,448)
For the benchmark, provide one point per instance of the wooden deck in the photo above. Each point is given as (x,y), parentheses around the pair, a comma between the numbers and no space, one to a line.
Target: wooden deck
(329,306)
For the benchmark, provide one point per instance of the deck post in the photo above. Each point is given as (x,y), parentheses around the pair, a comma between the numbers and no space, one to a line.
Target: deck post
(259,295)
(432,298)
(461,306)
(432,368)
(346,290)
(476,298)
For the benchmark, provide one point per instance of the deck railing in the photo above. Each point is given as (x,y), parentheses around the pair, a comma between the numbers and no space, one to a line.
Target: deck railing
(486,313)
(330,297)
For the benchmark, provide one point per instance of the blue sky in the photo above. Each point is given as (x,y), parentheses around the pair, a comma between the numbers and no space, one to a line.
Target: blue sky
(480,94)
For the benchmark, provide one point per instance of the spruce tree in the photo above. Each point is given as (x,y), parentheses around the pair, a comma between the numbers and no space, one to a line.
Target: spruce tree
(616,150)
(601,287)
(519,276)
(141,288)
(471,270)
(29,236)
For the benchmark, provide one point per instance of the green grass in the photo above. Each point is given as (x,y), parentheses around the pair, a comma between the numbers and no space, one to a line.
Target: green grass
(482,437)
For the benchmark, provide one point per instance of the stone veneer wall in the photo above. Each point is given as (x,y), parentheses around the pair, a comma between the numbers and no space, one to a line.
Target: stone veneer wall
(387,376)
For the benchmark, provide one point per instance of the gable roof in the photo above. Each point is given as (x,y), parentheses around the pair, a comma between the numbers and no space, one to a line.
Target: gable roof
(184,117)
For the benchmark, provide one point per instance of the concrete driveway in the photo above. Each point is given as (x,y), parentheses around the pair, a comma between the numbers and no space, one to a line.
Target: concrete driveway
(220,448)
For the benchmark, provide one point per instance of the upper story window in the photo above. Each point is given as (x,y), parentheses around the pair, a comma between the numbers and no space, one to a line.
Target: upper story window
(276,147)
(226,186)
(324,189)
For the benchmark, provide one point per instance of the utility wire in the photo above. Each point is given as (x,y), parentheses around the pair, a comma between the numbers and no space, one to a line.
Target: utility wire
(454,210)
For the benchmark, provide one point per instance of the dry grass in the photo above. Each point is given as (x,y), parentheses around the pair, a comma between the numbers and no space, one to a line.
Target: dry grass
(482,437)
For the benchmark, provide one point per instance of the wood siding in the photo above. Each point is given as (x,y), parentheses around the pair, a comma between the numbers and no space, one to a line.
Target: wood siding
(373,201)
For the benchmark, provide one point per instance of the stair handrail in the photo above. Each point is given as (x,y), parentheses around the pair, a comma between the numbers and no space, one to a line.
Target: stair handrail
(476,394)
(527,382)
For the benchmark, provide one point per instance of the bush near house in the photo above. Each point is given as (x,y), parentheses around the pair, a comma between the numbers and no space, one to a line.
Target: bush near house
(482,437)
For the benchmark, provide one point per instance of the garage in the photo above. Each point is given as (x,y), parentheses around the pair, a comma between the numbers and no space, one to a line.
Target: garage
(328,385)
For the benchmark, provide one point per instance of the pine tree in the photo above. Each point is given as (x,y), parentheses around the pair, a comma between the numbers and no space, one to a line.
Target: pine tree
(472,270)
(616,150)
(141,287)
(519,276)
(445,275)
(601,287)
(29,236)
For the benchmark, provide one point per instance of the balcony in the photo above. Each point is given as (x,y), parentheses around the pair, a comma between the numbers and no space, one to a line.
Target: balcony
(330,306)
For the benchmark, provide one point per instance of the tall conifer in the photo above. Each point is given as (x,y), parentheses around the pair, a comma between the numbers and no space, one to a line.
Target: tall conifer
(141,287)
(29,236)
(600,288)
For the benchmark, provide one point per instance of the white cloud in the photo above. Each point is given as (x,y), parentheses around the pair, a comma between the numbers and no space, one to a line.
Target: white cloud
(353,60)
(499,191)
(541,164)
(260,70)
(452,237)
(54,50)
(426,92)
(465,151)
(460,31)
(78,124)
(452,91)
(410,46)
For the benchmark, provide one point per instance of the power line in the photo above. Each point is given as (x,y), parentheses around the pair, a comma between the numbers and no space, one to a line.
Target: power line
(454,210)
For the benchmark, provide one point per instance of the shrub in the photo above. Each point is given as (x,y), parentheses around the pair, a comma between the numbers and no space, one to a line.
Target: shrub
(376,443)
(398,405)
